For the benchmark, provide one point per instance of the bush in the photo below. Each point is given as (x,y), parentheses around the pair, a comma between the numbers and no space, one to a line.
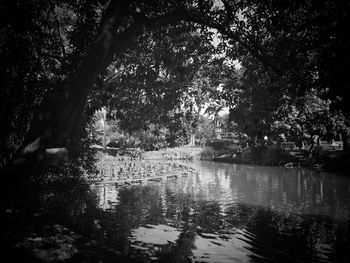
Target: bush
(151,141)
(113,144)
(208,153)
(276,156)
(264,155)
(228,145)
(183,153)
(128,142)
(146,140)
(81,161)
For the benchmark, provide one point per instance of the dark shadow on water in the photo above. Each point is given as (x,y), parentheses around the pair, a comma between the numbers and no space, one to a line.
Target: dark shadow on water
(218,216)
(266,235)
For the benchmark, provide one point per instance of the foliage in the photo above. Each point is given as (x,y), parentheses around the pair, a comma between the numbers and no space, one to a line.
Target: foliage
(222,144)
(265,156)
(153,139)
(183,153)
(290,44)
(308,118)
(205,130)
(54,57)
(210,154)
(37,48)
(148,80)
(276,156)
(177,130)
(339,163)
(27,70)
(165,78)
(81,161)
(257,98)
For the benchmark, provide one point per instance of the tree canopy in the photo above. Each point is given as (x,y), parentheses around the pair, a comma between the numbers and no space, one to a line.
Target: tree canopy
(61,60)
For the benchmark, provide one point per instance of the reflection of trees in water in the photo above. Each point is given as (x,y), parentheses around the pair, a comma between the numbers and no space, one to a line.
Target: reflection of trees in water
(71,203)
(298,190)
(272,235)
(281,237)
(267,234)
(181,250)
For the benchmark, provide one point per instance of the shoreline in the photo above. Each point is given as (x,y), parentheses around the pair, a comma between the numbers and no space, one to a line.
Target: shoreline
(328,161)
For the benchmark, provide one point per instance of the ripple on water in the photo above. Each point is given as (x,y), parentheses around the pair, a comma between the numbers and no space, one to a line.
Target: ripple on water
(232,213)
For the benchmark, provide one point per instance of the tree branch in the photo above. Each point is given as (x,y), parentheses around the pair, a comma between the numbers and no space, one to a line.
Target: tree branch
(255,51)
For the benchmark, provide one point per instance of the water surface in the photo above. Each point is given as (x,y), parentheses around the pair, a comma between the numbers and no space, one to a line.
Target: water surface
(230,213)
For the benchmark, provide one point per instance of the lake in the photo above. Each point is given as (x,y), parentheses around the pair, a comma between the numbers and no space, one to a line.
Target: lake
(229,213)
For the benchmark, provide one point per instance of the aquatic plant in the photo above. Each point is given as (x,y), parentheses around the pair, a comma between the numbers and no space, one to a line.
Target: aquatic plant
(126,170)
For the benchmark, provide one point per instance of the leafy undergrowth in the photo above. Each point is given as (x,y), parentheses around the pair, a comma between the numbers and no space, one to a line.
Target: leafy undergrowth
(188,153)
(182,153)
(336,162)
(272,156)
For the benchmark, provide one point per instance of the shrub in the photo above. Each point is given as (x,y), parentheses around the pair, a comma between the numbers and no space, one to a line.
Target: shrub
(276,156)
(265,156)
(151,141)
(220,144)
(183,153)
(208,153)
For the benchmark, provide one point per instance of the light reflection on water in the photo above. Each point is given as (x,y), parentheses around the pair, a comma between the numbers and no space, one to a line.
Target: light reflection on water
(232,213)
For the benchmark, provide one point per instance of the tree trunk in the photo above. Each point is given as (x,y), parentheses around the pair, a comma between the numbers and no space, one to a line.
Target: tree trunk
(61,113)
(192,140)
(311,149)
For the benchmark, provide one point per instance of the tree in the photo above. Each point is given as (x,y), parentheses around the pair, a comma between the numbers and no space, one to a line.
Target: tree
(150,78)
(205,130)
(308,120)
(275,35)
(255,95)
(204,96)
(288,44)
